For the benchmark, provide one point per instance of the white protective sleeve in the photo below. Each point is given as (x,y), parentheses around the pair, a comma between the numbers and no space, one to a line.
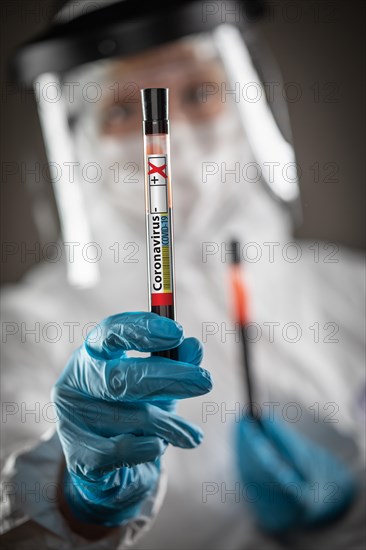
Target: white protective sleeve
(30,516)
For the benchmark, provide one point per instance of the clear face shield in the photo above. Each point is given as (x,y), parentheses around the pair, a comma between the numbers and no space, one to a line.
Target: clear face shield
(229,157)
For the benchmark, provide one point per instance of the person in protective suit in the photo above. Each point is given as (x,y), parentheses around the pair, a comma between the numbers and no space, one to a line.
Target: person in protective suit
(77,333)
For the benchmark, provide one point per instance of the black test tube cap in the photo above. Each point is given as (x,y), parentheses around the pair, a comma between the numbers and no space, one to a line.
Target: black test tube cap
(155,103)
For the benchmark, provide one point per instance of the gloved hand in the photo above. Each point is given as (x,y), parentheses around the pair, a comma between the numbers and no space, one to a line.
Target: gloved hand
(115,413)
(290,481)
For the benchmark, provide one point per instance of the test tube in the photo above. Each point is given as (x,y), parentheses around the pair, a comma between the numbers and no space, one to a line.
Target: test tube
(241,315)
(158,201)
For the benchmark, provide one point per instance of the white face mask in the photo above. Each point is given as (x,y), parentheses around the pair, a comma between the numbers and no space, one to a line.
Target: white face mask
(211,195)
(197,154)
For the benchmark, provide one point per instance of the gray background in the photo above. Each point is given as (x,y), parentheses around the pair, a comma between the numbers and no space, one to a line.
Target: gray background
(319,46)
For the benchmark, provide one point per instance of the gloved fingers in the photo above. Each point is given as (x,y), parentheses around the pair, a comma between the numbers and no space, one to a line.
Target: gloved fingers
(140,419)
(93,456)
(153,379)
(140,331)
(191,351)
(124,486)
(134,450)
(174,429)
(167,405)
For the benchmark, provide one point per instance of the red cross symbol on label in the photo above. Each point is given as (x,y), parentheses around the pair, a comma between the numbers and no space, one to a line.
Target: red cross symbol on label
(157,169)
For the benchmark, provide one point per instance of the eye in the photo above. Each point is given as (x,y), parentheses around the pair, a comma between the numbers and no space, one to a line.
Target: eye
(117,115)
(198,104)
(193,94)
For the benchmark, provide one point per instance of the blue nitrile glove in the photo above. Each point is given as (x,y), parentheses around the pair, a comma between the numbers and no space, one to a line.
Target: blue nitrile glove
(115,413)
(290,481)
